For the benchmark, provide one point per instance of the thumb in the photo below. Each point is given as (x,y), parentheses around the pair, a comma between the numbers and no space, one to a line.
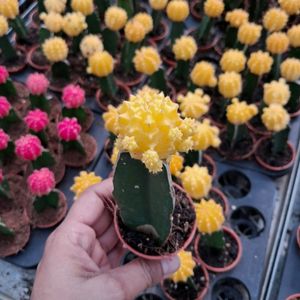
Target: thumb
(141,274)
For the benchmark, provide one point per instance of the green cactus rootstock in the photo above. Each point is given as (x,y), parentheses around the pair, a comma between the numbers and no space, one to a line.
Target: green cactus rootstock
(145,200)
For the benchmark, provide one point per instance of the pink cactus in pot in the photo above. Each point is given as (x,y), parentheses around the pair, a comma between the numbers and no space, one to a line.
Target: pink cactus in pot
(7,87)
(8,116)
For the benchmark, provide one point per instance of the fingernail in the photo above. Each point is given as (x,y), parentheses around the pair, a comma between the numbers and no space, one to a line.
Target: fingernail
(170,265)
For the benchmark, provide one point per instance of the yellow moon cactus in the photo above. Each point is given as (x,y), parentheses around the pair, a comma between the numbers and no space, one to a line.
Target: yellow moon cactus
(147,90)
(209,216)
(213,8)
(276,92)
(292,7)
(74,23)
(146,20)
(100,64)
(55,49)
(239,113)
(147,60)
(146,135)
(194,104)
(275,117)
(249,33)
(206,136)
(83,182)
(57,6)
(233,61)
(176,164)
(260,63)
(158,4)
(134,31)
(230,84)
(86,7)
(90,44)
(9,8)
(203,74)
(111,119)
(196,181)
(115,18)
(178,10)
(237,17)
(184,48)
(290,69)
(3,26)
(275,19)
(277,43)
(294,35)
(53,21)
(186,269)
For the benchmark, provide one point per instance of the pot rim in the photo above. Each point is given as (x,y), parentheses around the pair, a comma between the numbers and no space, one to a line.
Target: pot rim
(224,198)
(31,63)
(298,236)
(293,297)
(160,37)
(194,13)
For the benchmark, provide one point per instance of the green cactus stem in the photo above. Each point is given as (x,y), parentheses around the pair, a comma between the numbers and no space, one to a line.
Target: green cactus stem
(44,34)
(102,6)
(78,113)
(215,240)
(19,27)
(39,101)
(76,43)
(279,141)
(275,72)
(156,17)
(41,6)
(42,137)
(231,37)
(7,49)
(8,152)
(232,4)
(73,145)
(108,85)
(60,70)
(93,22)
(9,120)
(8,89)
(5,190)
(182,70)
(193,157)
(128,5)
(250,84)
(177,29)
(236,133)
(294,101)
(204,29)
(5,230)
(45,160)
(127,55)
(158,81)
(43,202)
(110,40)
(294,52)
(191,86)
(145,200)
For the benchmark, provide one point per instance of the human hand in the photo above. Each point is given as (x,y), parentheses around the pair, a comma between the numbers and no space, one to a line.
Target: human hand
(82,257)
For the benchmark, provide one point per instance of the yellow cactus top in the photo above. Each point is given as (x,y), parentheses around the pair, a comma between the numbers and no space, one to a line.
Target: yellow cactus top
(294,35)
(239,113)
(237,17)
(206,136)
(275,19)
(134,31)
(196,181)
(186,269)
(3,26)
(83,182)
(176,164)
(203,74)
(9,8)
(277,43)
(209,216)
(115,18)
(290,69)
(55,49)
(151,129)
(292,7)
(178,10)
(213,8)
(146,90)
(146,20)
(100,64)
(275,117)
(74,23)
(194,104)
(111,119)
(260,63)
(114,155)
(276,92)
(158,4)
(86,7)
(185,48)
(57,6)
(230,84)
(249,33)
(233,61)
(147,60)
(90,44)
(53,21)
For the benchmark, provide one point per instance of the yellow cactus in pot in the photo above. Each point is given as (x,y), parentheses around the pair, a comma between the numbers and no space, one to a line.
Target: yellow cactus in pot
(275,19)
(203,74)
(276,92)
(233,61)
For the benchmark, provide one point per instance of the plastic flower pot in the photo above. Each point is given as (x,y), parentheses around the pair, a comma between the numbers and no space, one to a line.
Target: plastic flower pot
(90,84)
(298,236)
(122,94)
(222,199)
(294,297)
(287,165)
(163,32)
(58,86)
(32,59)
(295,114)
(210,164)
(229,266)
(161,256)
(257,130)
(34,19)
(196,9)
(201,292)
(18,65)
